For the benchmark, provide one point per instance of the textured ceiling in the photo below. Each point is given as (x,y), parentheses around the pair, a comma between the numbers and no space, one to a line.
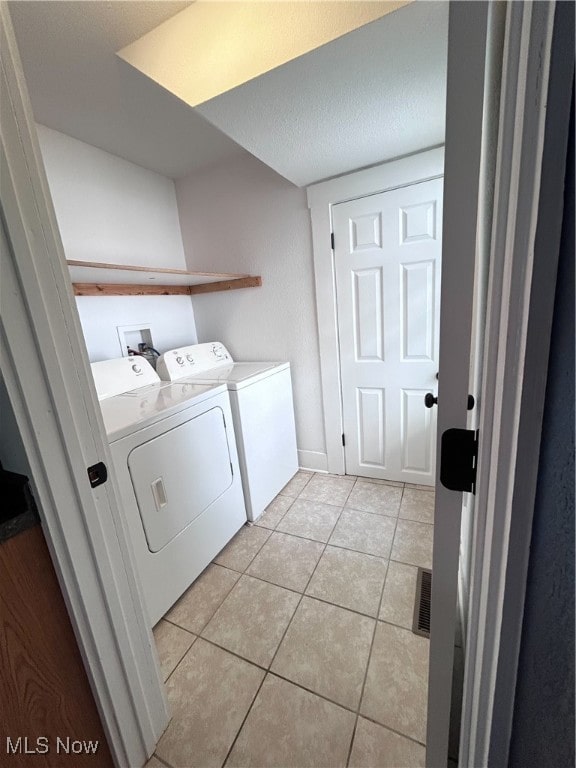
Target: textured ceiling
(374,94)
(370,95)
(79,86)
(211,47)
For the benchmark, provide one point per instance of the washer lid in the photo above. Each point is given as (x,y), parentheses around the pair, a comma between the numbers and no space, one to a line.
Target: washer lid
(238,375)
(131,411)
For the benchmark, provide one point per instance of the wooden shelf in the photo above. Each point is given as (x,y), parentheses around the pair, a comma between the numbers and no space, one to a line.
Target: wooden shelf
(94,279)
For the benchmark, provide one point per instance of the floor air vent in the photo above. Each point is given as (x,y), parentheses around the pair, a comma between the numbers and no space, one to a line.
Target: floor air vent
(421,623)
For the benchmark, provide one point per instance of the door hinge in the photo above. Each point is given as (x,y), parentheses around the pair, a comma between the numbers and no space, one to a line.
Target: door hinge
(332,240)
(459,456)
(97,474)
(343,439)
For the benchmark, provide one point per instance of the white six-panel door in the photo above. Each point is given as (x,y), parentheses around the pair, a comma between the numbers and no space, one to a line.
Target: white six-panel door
(387,250)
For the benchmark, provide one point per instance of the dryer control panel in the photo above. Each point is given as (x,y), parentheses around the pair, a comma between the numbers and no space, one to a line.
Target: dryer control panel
(190,361)
(122,374)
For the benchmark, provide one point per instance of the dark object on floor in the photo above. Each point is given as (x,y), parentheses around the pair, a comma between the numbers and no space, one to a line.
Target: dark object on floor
(421,622)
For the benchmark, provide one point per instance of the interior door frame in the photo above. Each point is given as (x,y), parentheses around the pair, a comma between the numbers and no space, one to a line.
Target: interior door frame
(537,70)
(422,166)
(47,376)
(537,77)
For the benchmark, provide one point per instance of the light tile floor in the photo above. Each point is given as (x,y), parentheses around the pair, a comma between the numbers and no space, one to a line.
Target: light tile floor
(294,647)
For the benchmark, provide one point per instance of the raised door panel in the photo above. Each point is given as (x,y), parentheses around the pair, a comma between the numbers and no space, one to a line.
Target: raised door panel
(365,232)
(367,302)
(416,433)
(418,311)
(418,222)
(387,260)
(371,420)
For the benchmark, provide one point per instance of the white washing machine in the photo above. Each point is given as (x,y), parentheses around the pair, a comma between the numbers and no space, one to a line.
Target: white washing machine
(175,456)
(263,412)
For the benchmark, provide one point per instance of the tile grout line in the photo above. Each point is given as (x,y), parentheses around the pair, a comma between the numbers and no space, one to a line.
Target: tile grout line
(322,599)
(338,546)
(300,685)
(264,676)
(303,594)
(383,621)
(174,624)
(249,526)
(234,653)
(373,639)
(182,657)
(322,696)
(268,671)
(342,706)
(349,755)
(357,713)
(376,514)
(308,584)
(224,598)
(239,731)
(199,634)
(283,513)
(245,571)
(392,730)
(196,635)
(160,760)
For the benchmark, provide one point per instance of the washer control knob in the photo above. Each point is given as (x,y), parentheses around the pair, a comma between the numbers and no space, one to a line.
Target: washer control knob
(136,368)
(180,360)
(190,358)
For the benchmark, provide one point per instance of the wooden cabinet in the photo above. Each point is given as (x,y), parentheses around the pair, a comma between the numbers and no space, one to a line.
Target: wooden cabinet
(44,690)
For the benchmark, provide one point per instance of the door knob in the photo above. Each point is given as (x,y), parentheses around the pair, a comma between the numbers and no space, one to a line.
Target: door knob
(430,401)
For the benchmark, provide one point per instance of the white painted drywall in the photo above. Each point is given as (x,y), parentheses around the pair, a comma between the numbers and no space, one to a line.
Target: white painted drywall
(78,85)
(170,318)
(373,95)
(243,217)
(210,48)
(110,210)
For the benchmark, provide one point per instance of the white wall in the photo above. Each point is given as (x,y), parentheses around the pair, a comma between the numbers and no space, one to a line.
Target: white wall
(241,216)
(110,210)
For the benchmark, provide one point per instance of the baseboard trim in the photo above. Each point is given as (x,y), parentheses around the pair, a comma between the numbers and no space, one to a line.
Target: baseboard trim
(316,461)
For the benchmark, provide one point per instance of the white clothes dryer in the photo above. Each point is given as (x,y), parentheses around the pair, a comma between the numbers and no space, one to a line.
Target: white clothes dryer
(263,412)
(175,456)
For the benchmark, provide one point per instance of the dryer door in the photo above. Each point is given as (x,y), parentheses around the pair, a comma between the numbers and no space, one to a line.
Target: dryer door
(177,475)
